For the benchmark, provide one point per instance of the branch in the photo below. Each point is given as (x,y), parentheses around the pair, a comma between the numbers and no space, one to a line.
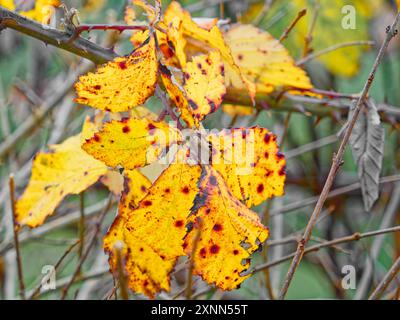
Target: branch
(54,37)
(354,237)
(386,280)
(337,161)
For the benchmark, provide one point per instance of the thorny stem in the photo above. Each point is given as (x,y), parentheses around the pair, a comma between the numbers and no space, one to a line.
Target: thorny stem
(337,161)
(16,241)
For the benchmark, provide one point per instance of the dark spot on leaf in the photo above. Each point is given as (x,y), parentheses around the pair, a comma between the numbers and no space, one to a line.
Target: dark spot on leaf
(260,188)
(267,138)
(203,252)
(185,189)
(96,138)
(147,203)
(97,87)
(213,180)
(235,252)
(214,249)
(179,223)
(122,65)
(282,171)
(217,227)
(126,129)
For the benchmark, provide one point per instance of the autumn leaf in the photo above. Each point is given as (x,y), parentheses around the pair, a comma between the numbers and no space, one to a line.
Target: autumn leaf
(66,169)
(131,143)
(122,84)
(223,234)
(328,30)
(136,187)
(264,61)
(212,37)
(154,230)
(250,162)
(238,110)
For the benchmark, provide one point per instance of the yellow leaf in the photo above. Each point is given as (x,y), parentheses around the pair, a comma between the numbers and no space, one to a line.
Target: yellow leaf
(250,162)
(263,60)
(224,233)
(123,83)
(136,187)
(154,230)
(143,112)
(329,30)
(114,181)
(204,84)
(175,37)
(65,170)
(174,87)
(131,143)
(237,110)
(212,37)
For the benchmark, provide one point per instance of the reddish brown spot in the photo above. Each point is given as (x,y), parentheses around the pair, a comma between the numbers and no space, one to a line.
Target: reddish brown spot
(199,65)
(203,252)
(96,138)
(143,188)
(147,203)
(126,129)
(267,138)
(185,189)
(193,104)
(122,65)
(186,75)
(282,171)
(85,173)
(222,70)
(203,72)
(167,190)
(141,249)
(266,154)
(214,249)
(260,188)
(280,155)
(240,56)
(208,210)
(145,283)
(151,126)
(235,252)
(179,223)
(184,245)
(97,87)
(217,227)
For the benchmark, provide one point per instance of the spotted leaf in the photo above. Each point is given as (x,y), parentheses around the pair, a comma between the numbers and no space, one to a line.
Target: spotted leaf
(123,83)
(224,233)
(131,143)
(250,162)
(154,231)
(66,169)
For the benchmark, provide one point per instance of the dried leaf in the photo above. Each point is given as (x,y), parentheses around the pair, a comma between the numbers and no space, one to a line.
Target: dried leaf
(131,143)
(224,233)
(65,170)
(367,142)
(123,83)
(250,162)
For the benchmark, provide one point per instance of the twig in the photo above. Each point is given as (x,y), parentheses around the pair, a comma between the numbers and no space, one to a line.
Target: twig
(89,248)
(336,162)
(57,38)
(57,265)
(285,34)
(354,237)
(386,280)
(16,241)
(81,223)
(335,47)
(121,272)
(309,37)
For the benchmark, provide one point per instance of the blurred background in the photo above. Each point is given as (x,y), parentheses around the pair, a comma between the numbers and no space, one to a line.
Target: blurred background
(37,109)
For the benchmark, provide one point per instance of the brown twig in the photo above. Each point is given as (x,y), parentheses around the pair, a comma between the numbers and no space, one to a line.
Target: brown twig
(354,237)
(336,162)
(309,37)
(121,272)
(16,241)
(285,34)
(335,47)
(56,266)
(387,279)
(89,248)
